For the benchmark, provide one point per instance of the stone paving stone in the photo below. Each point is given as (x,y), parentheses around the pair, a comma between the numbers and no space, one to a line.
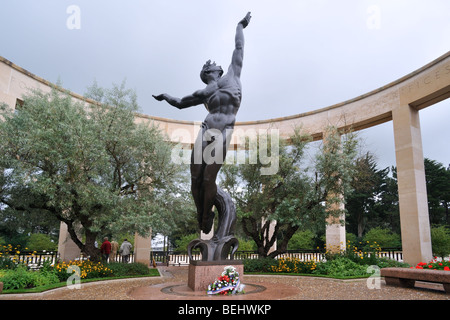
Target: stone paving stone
(276,287)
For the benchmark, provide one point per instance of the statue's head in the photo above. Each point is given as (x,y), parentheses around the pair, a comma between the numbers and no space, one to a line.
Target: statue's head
(208,69)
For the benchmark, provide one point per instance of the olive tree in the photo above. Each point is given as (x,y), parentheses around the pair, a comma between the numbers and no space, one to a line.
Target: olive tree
(90,165)
(300,195)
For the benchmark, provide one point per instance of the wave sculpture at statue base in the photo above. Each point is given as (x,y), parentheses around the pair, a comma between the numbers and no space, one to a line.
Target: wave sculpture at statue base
(218,247)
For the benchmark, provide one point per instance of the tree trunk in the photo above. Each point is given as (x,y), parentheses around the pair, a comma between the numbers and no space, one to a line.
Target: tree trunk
(89,247)
(360,222)
(447,215)
(282,247)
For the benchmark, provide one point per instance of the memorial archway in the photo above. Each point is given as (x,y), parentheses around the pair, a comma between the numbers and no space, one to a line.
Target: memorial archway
(399,102)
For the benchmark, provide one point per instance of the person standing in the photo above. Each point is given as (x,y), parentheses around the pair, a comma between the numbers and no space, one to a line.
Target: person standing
(113,253)
(125,250)
(105,249)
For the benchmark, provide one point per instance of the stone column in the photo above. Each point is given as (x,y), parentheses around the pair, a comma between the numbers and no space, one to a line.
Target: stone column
(412,191)
(142,248)
(67,249)
(335,233)
(335,226)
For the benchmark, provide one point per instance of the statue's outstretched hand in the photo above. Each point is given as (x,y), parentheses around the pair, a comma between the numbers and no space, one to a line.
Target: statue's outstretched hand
(246,20)
(159,97)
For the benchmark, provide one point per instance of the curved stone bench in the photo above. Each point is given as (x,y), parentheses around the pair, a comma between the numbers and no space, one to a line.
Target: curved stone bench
(406,278)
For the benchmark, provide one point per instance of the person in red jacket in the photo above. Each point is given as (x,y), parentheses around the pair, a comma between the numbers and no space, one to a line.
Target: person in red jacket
(105,249)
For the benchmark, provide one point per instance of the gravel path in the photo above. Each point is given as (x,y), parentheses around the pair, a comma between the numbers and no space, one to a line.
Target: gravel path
(302,288)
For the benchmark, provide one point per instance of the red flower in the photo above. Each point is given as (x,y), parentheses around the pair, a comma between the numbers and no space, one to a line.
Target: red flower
(446,268)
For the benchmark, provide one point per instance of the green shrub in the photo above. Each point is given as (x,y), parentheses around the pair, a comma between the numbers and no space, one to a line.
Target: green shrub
(385,238)
(16,279)
(40,241)
(440,241)
(302,240)
(352,239)
(341,267)
(259,265)
(43,278)
(128,269)
(182,243)
(246,245)
(21,278)
(390,263)
(7,263)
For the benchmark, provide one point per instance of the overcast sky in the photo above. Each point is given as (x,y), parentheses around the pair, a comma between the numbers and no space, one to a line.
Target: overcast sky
(299,55)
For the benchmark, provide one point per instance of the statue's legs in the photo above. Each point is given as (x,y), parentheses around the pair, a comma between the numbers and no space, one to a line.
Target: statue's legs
(209,189)
(196,190)
(207,194)
(204,173)
(197,169)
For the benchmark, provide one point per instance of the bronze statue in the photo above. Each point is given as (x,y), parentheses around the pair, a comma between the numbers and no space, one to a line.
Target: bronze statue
(222,98)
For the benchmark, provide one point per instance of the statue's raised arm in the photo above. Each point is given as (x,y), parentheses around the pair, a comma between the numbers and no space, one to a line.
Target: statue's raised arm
(244,22)
(238,53)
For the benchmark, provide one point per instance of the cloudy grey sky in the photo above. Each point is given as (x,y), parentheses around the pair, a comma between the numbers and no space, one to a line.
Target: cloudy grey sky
(299,55)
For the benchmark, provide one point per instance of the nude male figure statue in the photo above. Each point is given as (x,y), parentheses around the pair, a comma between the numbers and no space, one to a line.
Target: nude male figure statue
(222,98)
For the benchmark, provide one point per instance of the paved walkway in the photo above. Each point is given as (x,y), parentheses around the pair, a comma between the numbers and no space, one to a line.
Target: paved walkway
(172,286)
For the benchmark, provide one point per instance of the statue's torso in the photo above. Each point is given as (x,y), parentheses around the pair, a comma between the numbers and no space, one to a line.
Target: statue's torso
(223,101)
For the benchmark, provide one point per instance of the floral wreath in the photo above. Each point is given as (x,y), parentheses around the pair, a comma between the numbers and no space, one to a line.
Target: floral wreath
(228,283)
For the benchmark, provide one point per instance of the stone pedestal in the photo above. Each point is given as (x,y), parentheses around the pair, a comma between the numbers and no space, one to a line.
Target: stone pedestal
(335,233)
(67,249)
(203,273)
(142,248)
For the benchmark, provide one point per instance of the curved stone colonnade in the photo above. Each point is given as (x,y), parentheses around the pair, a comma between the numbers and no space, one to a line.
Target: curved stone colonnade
(399,101)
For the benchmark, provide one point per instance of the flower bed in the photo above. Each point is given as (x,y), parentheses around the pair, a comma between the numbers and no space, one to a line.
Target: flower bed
(84,269)
(350,263)
(294,265)
(434,264)
(21,277)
